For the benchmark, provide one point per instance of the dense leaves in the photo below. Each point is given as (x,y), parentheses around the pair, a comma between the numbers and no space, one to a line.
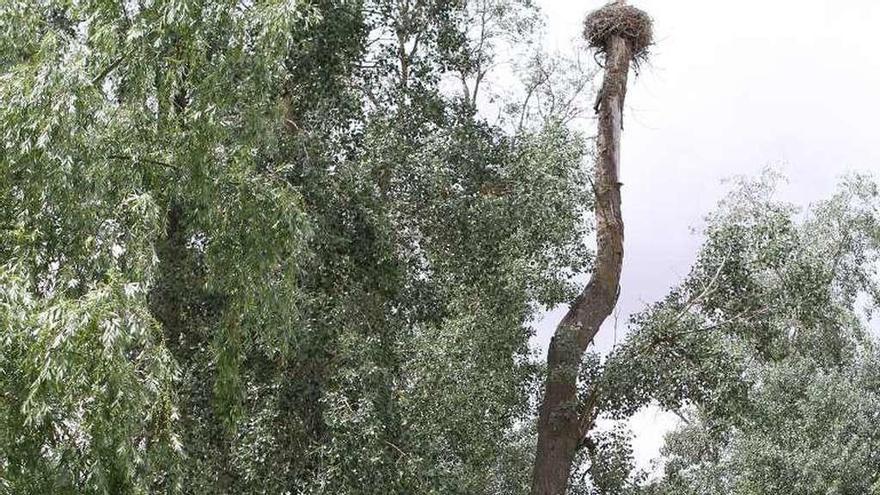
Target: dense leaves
(266,247)
(766,350)
(254,247)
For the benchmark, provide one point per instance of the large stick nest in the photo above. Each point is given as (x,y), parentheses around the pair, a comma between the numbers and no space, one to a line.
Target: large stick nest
(628,22)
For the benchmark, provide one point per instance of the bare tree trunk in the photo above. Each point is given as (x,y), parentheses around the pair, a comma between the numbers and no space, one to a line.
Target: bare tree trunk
(563,422)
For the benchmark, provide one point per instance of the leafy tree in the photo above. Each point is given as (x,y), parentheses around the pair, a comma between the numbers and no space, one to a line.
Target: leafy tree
(255,247)
(765,351)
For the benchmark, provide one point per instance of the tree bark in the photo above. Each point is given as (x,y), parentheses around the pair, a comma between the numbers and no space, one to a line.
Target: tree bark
(563,422)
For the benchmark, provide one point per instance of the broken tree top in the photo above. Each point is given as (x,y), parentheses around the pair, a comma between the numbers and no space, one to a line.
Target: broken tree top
(628,22)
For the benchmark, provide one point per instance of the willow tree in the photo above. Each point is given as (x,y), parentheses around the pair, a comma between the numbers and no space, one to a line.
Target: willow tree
(622,34)
(253,247)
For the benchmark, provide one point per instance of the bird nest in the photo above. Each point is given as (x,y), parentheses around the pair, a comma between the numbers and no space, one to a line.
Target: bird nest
(628,22)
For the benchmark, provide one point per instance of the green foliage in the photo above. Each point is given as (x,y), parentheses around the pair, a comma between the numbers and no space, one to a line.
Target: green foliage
(809,431)
(87,396)
(247,248)
(766,350)
(766,286)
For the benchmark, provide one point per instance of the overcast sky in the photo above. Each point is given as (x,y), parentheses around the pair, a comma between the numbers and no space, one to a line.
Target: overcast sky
(732,87)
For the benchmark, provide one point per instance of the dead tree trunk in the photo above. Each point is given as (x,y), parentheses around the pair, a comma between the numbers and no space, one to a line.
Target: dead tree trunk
(563,422)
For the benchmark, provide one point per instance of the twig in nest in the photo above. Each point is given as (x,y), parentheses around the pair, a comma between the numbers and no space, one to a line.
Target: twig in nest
(628,22)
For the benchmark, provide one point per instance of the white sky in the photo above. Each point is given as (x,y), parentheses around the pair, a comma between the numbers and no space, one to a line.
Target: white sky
(731,88)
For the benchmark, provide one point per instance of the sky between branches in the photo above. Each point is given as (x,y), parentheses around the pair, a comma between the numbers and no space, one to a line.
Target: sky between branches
(732,87)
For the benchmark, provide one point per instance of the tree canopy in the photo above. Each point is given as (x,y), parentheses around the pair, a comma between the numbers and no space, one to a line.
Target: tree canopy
(272,246)
(256,247)
(766,350)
